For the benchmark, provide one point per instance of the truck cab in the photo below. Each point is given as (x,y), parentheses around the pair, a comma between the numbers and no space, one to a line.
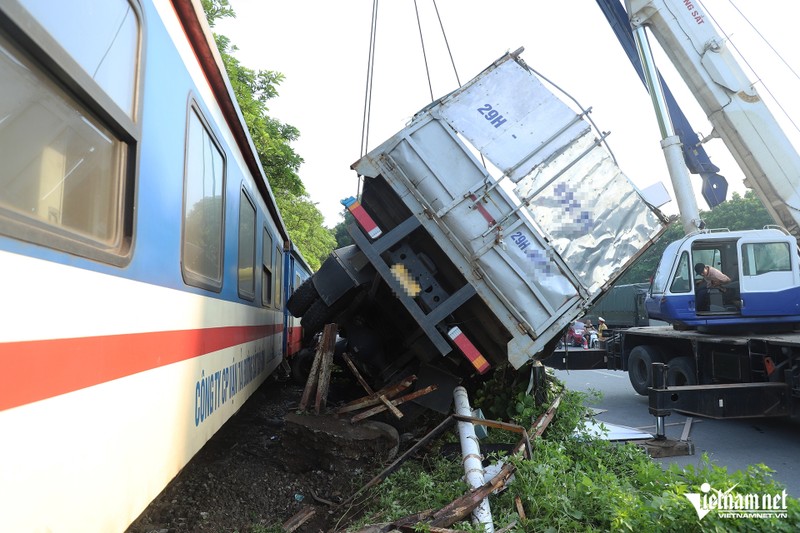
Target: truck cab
(764,287)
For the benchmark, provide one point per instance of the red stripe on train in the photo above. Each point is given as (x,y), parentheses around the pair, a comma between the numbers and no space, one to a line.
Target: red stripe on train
(295,338)
(37,370)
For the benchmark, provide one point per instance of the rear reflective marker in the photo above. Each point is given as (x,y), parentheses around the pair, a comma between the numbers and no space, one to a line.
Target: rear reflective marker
(468,349)
(362,217)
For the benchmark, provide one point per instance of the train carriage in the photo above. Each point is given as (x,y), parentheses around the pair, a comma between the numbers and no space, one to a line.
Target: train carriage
(145,266)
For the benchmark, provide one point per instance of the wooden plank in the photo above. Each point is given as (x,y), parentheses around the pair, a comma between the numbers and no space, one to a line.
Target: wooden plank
(687,428)
(500,425)
(369,401)
(357,374)
(518,505)
(432,434)
(389,405)
(328,345)
(408,397)
(303,516)
(311,381)
(461,507)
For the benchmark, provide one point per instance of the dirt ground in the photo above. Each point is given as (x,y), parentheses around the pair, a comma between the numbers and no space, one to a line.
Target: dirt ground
(244,480)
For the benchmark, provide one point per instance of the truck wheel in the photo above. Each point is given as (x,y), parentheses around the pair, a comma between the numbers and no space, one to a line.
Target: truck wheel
(302,298)
(680,372)
(315,318)
(301,364)
(640,371)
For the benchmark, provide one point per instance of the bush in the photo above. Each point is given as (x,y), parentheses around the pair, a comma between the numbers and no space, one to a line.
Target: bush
(576,483)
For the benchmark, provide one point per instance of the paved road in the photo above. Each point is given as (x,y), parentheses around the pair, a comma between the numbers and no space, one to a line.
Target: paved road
(731,443)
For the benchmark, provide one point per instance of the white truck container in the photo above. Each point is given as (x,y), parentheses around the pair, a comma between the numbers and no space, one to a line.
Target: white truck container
(502,218)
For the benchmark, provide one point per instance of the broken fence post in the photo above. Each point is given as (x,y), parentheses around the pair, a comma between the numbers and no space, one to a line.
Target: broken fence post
(317,382)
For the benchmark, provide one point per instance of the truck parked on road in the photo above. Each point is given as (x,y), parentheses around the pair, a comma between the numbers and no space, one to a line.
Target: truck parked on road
(732,349)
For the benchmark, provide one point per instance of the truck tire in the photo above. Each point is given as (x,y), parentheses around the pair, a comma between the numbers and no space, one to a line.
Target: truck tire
(317,315)
(301,364)
(302,298)
(680,372)
(640,371)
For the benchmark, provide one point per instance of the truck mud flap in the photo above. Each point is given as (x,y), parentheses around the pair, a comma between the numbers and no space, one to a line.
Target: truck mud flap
(441,399)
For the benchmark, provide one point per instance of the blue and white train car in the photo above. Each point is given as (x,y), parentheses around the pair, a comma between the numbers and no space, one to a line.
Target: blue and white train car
(296,272)
(144,262)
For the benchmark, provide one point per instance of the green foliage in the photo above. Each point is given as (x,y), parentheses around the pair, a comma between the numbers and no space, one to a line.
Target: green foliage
(430,484)
(340,230)
(313,240)
(217,9)
(580,484)
(575,482)
(272,140)
(738,213)
(504,397)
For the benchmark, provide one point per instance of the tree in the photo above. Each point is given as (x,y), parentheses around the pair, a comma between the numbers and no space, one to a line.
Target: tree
(739,213)
(340,230)
(313,240)
(272,139)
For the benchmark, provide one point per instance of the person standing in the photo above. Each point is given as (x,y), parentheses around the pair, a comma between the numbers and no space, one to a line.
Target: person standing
(601,328)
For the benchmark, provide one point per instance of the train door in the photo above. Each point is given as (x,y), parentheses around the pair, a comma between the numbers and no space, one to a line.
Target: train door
(277,300)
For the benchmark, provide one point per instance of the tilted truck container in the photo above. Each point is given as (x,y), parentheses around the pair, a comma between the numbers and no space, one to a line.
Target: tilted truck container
(487,225)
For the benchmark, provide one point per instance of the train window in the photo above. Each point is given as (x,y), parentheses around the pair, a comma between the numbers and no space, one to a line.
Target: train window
(278,276)
(63,174)
(266,269)
(102,37)
(247,247)
(204,204)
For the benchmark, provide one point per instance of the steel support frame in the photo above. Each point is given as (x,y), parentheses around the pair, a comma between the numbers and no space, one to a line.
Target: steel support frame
(427,322)
(728,400)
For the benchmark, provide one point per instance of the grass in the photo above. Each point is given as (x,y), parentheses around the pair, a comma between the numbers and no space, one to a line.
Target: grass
(574,482)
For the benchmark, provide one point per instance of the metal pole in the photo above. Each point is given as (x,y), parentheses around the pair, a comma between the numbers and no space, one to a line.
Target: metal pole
(670,143)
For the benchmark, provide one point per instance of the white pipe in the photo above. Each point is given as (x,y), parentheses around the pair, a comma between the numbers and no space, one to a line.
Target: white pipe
(471,453)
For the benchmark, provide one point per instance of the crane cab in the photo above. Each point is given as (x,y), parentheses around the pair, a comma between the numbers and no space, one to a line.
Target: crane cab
(764,286)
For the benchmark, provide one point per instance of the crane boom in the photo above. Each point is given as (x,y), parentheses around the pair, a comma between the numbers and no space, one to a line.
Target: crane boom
(715,187)
(770,163)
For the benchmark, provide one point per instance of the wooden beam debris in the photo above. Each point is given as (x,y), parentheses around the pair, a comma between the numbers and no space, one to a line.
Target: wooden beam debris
(432,434)
(500,425)
(373,399)
(518,505)
(320,375)
(301,517)
(357,374)
(461,507)
(402,399)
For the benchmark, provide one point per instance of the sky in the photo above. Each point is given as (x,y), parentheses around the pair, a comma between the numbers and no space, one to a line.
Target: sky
(322,48)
